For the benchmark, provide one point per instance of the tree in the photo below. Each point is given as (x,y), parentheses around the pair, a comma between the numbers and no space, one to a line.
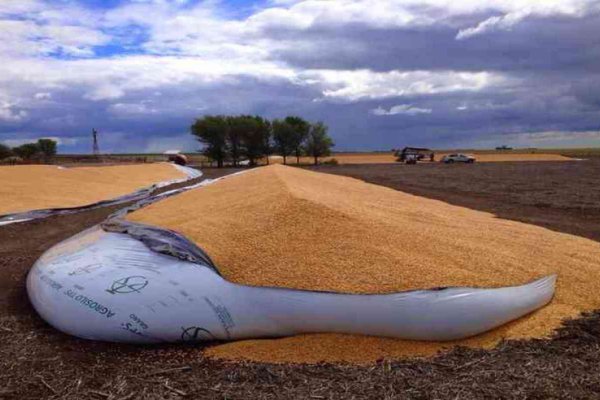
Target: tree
(284,138)
(27,151)
(255,137)
(300,133)
(47,147)
(267,147)
(318,142)
(212,131)
(5,151)
(238,126)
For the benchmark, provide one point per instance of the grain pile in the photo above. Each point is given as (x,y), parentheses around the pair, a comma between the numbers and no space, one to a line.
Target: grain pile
(287,227)
(33,187)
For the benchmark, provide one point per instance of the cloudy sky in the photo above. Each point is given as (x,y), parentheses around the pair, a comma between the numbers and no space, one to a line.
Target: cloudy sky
(380,73)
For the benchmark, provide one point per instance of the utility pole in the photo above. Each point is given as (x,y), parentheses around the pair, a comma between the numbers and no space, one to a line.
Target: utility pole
(96,148)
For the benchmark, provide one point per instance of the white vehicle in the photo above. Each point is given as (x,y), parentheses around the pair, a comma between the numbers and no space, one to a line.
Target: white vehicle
(458,157)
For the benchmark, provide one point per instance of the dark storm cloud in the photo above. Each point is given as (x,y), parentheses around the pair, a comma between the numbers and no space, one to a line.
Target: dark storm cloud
(540,44)
(138,119)
(556,62)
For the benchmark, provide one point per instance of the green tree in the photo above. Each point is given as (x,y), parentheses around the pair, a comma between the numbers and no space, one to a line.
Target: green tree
(318,143)
(255,137)
(47,147)
(267,136)
(27,151)
(238,127)
(301,128)
(212,131)
(284,138)
(5,151)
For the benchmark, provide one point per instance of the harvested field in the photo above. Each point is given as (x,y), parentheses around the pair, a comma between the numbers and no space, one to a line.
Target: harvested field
(388,158)
(507,157)
(349,236)
(33,187)
(40,362)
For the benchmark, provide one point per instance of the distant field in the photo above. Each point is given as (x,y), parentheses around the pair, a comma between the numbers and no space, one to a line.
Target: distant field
(388,158)
(591,152)
(378,157)
(584,152)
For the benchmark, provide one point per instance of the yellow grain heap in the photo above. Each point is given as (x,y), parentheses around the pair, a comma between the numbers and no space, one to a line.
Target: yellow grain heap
(33,187)
(288,227)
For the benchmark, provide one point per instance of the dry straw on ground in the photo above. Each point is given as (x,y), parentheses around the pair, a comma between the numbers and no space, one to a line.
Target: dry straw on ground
(32,187)
(287,227)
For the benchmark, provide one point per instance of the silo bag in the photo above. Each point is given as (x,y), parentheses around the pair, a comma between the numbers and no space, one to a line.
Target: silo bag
(140,284)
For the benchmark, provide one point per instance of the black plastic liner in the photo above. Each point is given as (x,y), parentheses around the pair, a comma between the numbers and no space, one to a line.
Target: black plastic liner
(37,214)
(160,240)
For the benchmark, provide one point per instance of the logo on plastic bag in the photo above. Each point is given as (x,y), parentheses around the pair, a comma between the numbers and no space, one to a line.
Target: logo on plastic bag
(195,334)
(130,284)
(88,269)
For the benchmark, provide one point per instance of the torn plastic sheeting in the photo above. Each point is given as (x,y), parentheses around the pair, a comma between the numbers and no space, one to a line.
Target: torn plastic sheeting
(137,195)
(162,240)
(153,199)
(37,214)
(109,286)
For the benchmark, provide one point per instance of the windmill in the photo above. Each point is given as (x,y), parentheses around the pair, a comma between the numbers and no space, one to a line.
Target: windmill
(96,148)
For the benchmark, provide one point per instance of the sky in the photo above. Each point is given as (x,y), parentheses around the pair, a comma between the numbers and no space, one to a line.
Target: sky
(381,74)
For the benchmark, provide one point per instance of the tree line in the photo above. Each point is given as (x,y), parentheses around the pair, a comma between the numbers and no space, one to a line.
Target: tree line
(252,138)
(42,149)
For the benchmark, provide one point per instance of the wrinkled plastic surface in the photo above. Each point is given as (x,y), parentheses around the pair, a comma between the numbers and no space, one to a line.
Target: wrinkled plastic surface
(190,173)
(160,240)
(109,286)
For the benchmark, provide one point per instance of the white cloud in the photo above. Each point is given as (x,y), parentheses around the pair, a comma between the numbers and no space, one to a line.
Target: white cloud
(505,22)
(404,109)
(513,15)
(203,29)
(112,79)
(364,84)
(199,43)
(31,38)
(132,109)
(109,79)
(10,113)
(66,141)
(42,96)
(183,141)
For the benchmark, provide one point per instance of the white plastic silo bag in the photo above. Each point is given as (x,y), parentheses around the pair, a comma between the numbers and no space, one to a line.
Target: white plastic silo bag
(112,287)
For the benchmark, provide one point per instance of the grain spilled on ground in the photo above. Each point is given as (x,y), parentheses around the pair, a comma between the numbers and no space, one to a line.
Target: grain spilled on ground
(287,227)
(33,187)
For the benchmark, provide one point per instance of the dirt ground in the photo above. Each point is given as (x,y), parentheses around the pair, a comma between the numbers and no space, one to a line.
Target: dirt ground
(38,362)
